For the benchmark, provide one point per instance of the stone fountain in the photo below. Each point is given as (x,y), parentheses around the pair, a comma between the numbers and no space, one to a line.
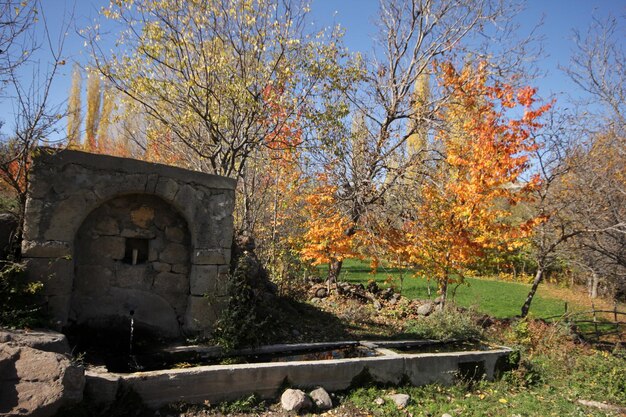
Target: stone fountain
(108,235)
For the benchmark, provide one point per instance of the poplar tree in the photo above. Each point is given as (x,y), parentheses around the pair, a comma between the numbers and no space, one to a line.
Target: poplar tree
(105,142)
(93,111)
(74,108)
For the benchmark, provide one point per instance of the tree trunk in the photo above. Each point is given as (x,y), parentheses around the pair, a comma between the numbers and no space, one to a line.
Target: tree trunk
(594,285)
(334,269)
(533,290)
(444,294)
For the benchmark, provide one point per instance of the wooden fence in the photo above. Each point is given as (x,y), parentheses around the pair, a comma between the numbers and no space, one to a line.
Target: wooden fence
(596,325)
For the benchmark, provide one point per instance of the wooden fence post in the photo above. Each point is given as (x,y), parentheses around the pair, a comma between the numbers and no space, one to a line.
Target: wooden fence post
(616,321)
(595,321)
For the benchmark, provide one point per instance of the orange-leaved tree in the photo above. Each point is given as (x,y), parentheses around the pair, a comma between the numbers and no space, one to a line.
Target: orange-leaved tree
(465,205)
(325,239)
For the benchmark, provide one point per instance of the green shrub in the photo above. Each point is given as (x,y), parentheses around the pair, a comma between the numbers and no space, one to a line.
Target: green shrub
(444,325)
(240,323)
(20,304)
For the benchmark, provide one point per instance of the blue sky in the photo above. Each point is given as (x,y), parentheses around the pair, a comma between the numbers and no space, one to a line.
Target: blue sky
(560,18)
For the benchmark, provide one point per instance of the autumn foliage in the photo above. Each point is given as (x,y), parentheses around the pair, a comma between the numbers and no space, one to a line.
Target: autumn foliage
(326,240)
(464,207)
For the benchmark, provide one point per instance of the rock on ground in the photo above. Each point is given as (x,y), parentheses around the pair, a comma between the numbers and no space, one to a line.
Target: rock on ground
(321,399)
(294,400)
(37,383)
(425,309)
(401,400)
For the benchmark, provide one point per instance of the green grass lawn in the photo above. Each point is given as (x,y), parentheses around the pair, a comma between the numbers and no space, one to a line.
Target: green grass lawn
(496,298)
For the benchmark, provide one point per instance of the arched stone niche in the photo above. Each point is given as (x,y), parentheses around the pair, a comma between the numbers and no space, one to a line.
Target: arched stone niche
(132,255)
(83,210)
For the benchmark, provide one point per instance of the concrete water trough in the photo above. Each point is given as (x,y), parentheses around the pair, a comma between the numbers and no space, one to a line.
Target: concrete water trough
(387,363)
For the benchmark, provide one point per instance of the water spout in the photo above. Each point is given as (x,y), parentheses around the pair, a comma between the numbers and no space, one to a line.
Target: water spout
(133,364)
(132,331)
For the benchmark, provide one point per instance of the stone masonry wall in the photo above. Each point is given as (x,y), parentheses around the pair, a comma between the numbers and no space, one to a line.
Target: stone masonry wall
(81,211)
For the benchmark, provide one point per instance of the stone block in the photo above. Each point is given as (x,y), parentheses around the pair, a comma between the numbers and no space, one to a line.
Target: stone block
(156,245)
(39,185)
(33,213)
(108,247)
(151,183)
(107,226)
(137,233)
(64,221)
(117,183)
(202,312)
(180,268)
(187,200)
(174,253)
(211,256)
(225,239)
(142,216)
(161,267)
(81,178)
(220,206)
(46,249)
(203,279)
(132,276)
(174,234)
(101,387)
(166,188)
(162,220)
(169,282)
(92,279)
(174,288)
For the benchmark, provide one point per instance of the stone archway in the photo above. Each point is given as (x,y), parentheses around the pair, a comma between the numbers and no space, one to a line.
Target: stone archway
(132,255)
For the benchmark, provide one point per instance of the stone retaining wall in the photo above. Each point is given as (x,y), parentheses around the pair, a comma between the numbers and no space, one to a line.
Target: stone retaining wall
(87,213)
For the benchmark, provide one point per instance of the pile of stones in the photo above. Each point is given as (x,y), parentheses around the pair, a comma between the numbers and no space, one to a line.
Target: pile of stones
(372,294)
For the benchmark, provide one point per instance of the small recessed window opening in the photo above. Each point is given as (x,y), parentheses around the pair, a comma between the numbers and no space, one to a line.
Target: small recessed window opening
(136,251)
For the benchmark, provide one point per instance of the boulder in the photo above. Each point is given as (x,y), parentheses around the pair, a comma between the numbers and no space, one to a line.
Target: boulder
(393,300)
(37,383)
(46,340)
(425,309)
(401,400)
(321,399)
(294,400)
(321,292)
